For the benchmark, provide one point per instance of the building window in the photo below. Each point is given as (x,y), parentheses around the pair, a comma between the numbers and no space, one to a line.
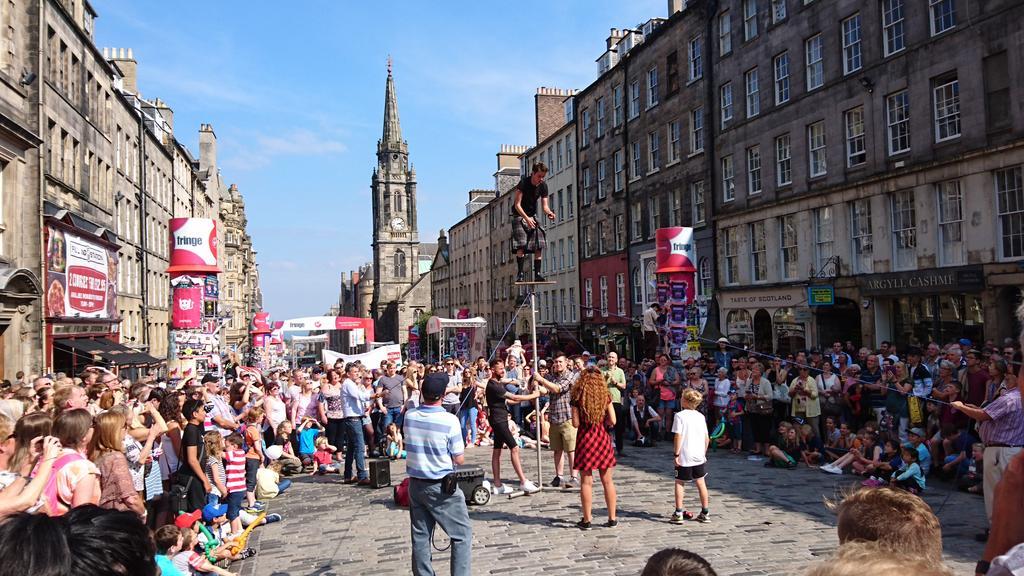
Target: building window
(788,243)
(904,230)
(620,168)
(758,252)
(604,295)
(674,136)
(951,221)
(749,19)
(400,271)
(815,65)
(856,152)
(602,190)
(753,93)
(638,220)
(620,293)
(851,44)
(634,149)
(696,58)
(754,170)
(897,114)
(572,252)
(726,103)
(634,99)
(620,232)
(588,297)
(943,15)
(816,149)
(823,237)
(654,215)
(559,156)
(732,251)
(860,233)
(728,180)
(778,11)
(724,33)
(653,152)
(783,161)
(672,72)
(600,117)
(892,26)
(588,238)
(677,208)
(572,305)
(781,65)
(697,192)
(652,87)
(586,185)
(584,128)
(697,131)
(1010,203)
(638,295)
(617,105)
(947,110)
(601,227)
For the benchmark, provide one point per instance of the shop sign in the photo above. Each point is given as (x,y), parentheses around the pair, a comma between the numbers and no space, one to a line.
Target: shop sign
(80,277)
(821,295)
(802,314)
(193,245)
(967,279)
(777,298)
(187,311)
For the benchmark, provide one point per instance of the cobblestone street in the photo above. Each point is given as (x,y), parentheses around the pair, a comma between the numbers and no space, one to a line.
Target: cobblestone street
(764,521)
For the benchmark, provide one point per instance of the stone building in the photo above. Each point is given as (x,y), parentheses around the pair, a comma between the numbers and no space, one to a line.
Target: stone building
(21,280)
(400,292)
(240,297)
(869,173)
(470,274)
(440,278)
(506,297)
(558,314)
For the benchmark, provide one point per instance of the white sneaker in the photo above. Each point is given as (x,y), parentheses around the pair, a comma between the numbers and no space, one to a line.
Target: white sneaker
(833,469)
(503,489)
(529,487)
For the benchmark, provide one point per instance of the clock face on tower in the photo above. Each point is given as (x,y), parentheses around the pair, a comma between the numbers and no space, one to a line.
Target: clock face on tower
(398,224)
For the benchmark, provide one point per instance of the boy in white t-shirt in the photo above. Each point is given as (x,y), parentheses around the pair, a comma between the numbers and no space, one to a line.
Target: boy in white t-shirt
(691,447)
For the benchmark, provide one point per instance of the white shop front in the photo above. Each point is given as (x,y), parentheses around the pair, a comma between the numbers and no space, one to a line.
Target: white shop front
(770,320)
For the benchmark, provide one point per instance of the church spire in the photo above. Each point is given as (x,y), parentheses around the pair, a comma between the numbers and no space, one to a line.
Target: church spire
(392,127)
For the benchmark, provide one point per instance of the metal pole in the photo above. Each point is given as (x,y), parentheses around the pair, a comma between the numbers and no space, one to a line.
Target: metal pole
(536,364)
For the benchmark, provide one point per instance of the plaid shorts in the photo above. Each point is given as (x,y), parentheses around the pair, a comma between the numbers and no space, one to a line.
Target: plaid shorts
(525,239)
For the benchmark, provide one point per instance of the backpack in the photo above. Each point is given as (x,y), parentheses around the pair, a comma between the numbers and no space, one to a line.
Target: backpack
(402,494)
(50,494)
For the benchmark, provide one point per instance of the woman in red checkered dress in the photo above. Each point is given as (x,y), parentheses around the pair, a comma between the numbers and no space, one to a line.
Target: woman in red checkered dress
(592,414)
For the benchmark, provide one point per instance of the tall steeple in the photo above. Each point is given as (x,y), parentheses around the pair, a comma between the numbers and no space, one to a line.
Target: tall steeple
(392,137)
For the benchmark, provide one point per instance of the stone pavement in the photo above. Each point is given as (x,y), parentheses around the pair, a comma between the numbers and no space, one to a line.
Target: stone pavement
(764,521)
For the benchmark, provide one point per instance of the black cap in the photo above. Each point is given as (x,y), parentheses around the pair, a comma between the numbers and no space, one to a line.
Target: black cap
(209,378)
(434,385)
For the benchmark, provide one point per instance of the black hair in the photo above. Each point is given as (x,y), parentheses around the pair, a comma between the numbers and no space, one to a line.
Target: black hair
(191,406)
(677,562)
(87,541)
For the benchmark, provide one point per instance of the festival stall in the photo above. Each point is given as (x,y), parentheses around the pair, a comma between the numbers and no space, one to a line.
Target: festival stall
(459,337)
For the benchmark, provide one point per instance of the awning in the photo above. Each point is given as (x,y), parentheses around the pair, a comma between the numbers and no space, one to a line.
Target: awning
(107,350)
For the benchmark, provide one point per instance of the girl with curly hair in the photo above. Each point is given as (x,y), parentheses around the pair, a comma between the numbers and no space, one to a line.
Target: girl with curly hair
(592,415)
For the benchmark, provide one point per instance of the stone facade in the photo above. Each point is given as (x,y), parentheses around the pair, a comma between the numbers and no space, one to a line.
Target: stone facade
(884,164)
(400,293)
(240,297)
(503,262)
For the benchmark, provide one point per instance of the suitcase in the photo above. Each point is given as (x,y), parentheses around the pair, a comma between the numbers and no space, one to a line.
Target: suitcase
(380,473)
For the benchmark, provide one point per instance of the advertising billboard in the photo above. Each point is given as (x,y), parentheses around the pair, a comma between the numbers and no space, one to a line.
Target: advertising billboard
(193,245)
(81,277)
(187,310)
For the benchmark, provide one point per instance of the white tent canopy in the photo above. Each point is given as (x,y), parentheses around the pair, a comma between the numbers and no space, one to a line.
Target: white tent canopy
(435,323)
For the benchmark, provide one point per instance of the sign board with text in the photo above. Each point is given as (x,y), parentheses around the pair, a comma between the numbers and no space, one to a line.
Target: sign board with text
(821,295)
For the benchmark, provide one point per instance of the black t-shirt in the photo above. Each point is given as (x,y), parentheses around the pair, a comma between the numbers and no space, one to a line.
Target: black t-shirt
(531,194)
(496,393)
(192,435)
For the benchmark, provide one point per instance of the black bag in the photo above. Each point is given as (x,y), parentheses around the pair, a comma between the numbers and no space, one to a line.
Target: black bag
(449,484)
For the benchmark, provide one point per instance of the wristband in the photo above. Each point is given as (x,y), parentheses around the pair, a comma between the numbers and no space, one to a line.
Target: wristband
(981,567)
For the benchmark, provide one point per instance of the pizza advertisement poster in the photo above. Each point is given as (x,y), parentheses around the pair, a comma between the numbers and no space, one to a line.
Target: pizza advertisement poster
(80,277)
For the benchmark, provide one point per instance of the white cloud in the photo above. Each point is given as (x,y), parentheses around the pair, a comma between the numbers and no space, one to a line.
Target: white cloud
(263,149)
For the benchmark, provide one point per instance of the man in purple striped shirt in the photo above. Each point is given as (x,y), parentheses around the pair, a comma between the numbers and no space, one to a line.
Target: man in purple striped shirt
(1002,431)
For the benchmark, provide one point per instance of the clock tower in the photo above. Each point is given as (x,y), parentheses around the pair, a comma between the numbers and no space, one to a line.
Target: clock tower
(395,236)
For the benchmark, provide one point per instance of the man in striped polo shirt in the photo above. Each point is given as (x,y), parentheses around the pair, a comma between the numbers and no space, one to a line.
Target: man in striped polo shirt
(433,440)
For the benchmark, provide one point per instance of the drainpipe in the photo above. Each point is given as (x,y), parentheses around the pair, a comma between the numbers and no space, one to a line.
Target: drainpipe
(41,174)
(143,240)
(709,154)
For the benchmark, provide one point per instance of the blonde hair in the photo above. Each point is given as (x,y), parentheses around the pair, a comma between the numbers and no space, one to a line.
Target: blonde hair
(108,434)
(895,520)
(691,398)
(214,443)
(857,558)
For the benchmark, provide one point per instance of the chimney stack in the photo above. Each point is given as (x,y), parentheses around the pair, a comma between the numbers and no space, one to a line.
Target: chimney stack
(675,6)
(207,147)
(125,62)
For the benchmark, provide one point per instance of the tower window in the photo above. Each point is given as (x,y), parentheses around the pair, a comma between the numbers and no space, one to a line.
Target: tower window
(398,202)
(400,264)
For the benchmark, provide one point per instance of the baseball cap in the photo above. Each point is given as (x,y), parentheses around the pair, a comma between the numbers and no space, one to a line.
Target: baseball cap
(188,519)
(722,340)
(209,378)
(542,363)
(213,511)
(916,432)
(434,385)
(965,342)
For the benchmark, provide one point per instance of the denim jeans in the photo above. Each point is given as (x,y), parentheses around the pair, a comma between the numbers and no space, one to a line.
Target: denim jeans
(283,485)
(355,448)
(468,416)
(393,415)
(428,506)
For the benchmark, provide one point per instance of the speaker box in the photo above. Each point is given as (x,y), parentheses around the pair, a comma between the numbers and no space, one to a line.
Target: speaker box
(380,473)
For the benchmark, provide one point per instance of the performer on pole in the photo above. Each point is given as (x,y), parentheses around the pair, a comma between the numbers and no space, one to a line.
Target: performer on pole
(527,235)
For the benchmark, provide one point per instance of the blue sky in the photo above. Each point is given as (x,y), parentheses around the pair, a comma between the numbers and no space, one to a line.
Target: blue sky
(295,92)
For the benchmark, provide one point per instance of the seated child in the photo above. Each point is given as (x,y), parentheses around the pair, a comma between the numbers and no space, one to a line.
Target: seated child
(786,450)
(521,440)
(891,460)
(283,438)
(842,444)
(269,483)
(395,444)
(971,479)
(955,450)
(909,477)
(323,457)
(812,447)
(483,429)
(308,432)
(168,543)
